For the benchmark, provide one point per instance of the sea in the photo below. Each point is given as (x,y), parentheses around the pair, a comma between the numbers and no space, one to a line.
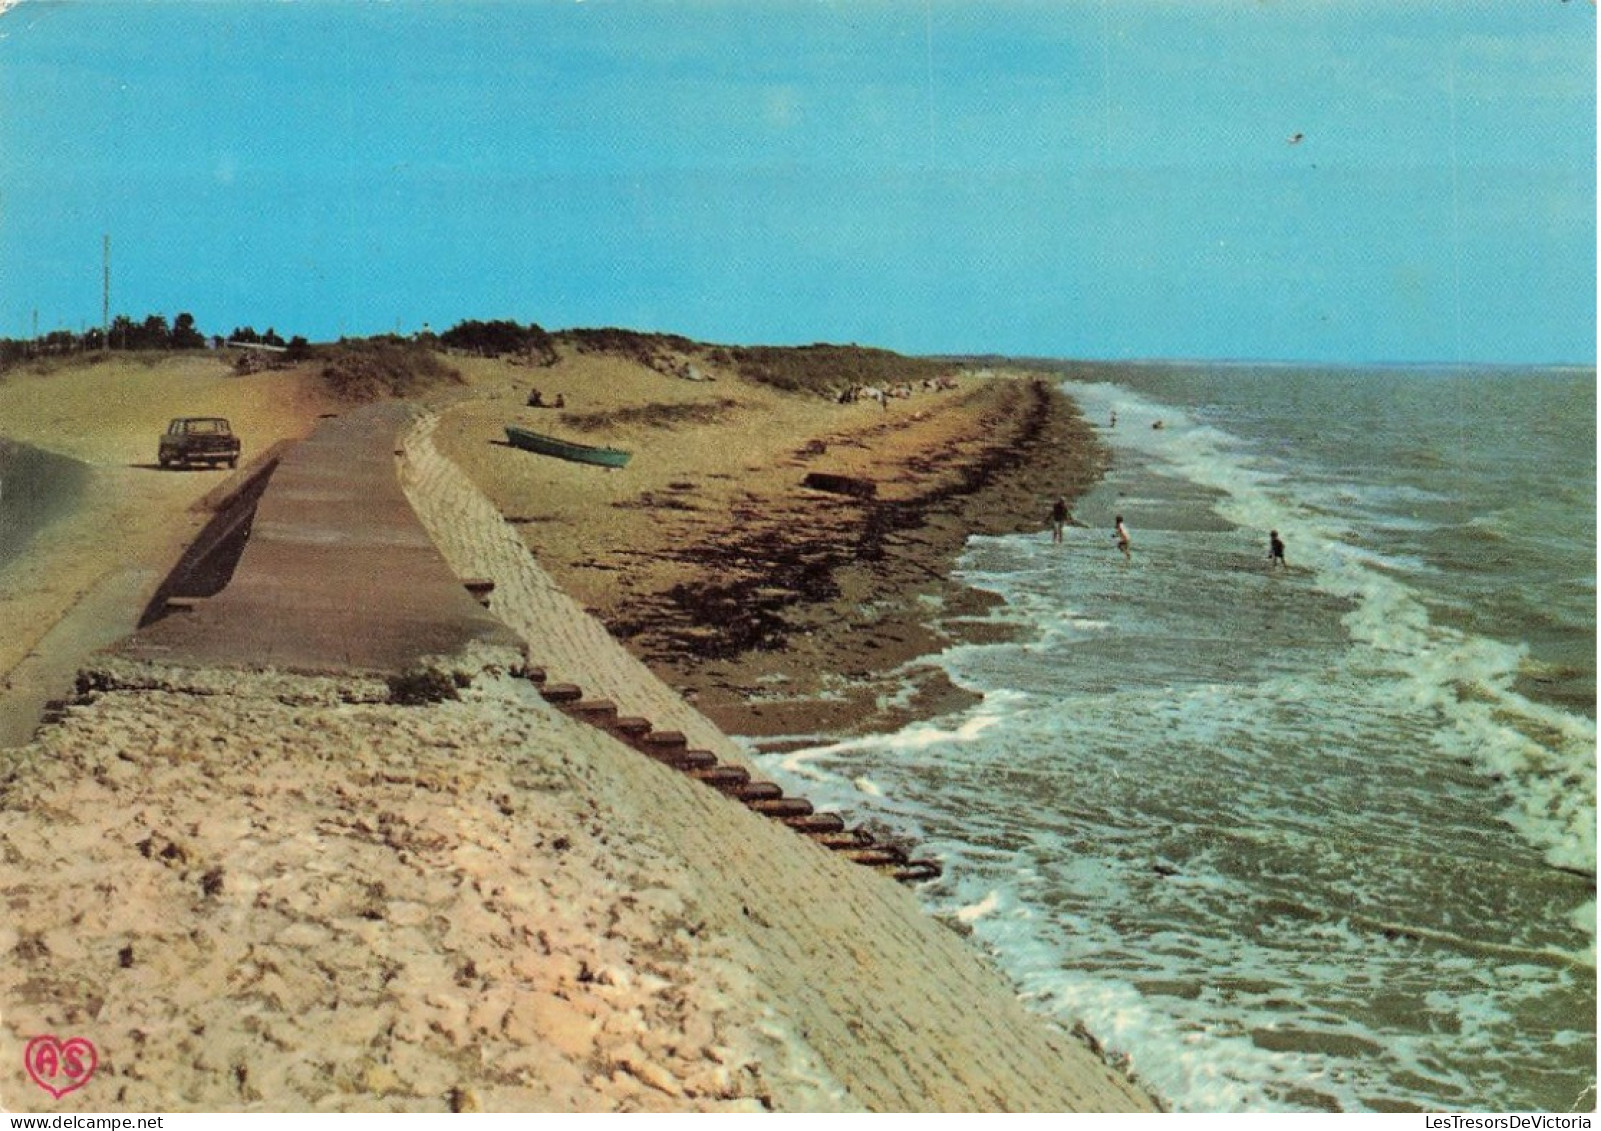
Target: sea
(1311,838)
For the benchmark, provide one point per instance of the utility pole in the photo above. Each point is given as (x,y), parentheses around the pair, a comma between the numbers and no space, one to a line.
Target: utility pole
(105,292)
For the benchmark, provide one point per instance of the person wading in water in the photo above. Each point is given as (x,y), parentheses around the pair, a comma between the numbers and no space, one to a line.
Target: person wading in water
(1059,517)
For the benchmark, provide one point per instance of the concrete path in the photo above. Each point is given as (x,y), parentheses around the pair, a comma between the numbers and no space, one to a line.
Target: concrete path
(338,575)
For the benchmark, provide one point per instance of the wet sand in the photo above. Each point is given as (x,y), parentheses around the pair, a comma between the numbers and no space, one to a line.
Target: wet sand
(775,608)
(270,891)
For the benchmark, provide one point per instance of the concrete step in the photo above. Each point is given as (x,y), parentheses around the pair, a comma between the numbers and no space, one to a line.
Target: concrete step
(660,741)
(810,824)
(881,855)
(687,759)
(596,712)
(918,871)
(720,777)
(631,728)
(756,791)
(781,806)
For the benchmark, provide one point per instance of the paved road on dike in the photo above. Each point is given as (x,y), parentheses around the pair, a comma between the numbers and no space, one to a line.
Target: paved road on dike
(338,574)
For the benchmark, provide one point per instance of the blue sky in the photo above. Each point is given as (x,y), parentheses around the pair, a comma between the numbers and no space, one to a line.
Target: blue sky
(1084,178)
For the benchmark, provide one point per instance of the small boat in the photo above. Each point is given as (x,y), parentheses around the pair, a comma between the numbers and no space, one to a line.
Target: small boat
(566,449)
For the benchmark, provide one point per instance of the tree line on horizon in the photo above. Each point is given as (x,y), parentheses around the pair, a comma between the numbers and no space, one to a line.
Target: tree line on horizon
(152,333)
(361,363)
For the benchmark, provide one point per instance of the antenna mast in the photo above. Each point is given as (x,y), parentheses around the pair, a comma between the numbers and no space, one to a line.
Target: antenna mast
(105,293)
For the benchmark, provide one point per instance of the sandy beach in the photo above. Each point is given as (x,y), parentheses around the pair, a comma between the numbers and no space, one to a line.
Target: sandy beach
(287,891)
(777,609)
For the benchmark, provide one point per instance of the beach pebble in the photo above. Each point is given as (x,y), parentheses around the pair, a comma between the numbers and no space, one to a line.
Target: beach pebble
(306,935)
(656,1077)
(64,944)
(717,1082)
(406,914)
(379,1079)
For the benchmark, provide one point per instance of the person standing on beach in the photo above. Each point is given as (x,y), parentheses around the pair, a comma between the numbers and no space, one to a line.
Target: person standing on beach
(1275,550)
(1059,518)
(1122,538)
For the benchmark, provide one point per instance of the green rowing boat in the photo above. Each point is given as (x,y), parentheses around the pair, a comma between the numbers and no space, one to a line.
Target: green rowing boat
(566,449)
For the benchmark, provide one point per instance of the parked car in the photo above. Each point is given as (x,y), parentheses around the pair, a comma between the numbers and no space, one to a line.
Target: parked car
(199,439)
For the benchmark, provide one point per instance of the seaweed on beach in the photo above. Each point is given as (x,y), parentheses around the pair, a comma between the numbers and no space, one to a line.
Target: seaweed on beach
(755,578)
(422,686)
(651,415)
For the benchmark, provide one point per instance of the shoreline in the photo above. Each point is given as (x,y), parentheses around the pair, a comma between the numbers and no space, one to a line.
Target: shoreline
(779,610)
(903,605)
(697,956)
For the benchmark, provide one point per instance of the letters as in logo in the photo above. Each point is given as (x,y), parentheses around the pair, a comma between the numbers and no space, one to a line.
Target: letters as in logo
(60,1066)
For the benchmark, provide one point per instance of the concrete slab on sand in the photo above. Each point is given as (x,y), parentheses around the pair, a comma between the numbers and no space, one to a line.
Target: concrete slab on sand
(338,574)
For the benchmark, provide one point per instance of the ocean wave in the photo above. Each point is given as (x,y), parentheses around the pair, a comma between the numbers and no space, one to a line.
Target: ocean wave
(1291,841)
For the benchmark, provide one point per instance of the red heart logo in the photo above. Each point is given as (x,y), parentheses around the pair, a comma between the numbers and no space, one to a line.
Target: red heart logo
(60,1066)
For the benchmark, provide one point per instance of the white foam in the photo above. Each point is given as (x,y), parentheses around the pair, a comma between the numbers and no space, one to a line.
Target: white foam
(919,736)
(869,787)
(976,911)
(1236,874)
(1430,664)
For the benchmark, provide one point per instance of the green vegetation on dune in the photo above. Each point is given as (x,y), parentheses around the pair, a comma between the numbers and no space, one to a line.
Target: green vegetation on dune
(366,369)
(629,343)
(358,369)
(499,338)
(820,368)
(823,368)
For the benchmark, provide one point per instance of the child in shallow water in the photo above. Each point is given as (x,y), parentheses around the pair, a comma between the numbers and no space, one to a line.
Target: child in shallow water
(1122,537)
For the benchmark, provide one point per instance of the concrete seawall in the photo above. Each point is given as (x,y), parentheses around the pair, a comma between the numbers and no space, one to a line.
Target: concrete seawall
(337,574)
(899,1010)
